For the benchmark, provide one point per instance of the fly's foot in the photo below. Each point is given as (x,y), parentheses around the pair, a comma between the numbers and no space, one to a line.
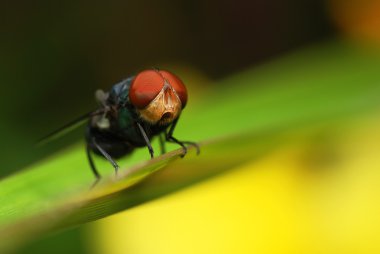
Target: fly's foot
(151,152)
(116,170)
(184,148)
(183,145)
(95,183)
(195,145)
(174,140)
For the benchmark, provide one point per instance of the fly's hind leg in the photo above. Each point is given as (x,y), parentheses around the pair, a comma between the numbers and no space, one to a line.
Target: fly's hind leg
(92,165)
(91,161)
(106,155)
(170,138)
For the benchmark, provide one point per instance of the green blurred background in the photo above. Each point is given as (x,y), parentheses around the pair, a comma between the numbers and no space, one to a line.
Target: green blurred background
(54,55)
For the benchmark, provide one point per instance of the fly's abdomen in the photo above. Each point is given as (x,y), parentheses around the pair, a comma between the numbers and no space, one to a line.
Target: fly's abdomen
(111,144)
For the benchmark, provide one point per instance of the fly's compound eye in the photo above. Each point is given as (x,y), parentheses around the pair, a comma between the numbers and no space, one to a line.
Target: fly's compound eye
(177,85)
(145,87)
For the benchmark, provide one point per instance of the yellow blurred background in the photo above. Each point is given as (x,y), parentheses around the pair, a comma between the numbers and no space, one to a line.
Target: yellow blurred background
(305,197)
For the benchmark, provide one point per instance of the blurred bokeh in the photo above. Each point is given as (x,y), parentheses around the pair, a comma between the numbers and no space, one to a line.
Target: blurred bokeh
(53,56)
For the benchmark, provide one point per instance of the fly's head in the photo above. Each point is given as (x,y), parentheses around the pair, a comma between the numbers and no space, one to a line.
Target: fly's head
(159,96)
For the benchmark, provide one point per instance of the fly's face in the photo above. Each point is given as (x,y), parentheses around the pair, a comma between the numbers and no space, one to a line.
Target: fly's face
(164,108)
(159,96)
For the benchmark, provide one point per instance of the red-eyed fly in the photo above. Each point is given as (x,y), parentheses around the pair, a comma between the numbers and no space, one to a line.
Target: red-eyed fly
(136,109)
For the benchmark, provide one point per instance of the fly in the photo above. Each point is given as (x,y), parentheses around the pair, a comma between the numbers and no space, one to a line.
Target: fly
(134,111)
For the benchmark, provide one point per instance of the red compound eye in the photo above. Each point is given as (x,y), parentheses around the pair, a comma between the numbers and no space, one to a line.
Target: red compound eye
(177,85)
(145,87)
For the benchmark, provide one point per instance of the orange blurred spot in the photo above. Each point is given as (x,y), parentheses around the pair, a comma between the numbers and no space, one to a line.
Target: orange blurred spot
(357,19)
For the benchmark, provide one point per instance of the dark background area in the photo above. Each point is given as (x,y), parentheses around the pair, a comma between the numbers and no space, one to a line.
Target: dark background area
(54,55)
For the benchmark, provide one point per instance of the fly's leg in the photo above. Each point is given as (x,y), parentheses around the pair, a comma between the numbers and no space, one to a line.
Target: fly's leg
(174,140)
(195,145)
(106,155)
(92,164)
(146,139)
(170,138)
(93,168)
(162,143)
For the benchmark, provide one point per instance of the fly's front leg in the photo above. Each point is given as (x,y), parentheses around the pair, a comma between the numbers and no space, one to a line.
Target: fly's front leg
(162,138)
(170,138)
(146,139)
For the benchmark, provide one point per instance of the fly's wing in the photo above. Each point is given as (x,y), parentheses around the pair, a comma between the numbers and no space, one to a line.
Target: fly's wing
(68,127)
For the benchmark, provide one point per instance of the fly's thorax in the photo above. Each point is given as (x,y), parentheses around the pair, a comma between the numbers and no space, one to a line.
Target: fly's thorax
(164,108)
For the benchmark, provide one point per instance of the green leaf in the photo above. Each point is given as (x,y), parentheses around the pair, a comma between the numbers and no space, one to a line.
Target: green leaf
(241,119)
